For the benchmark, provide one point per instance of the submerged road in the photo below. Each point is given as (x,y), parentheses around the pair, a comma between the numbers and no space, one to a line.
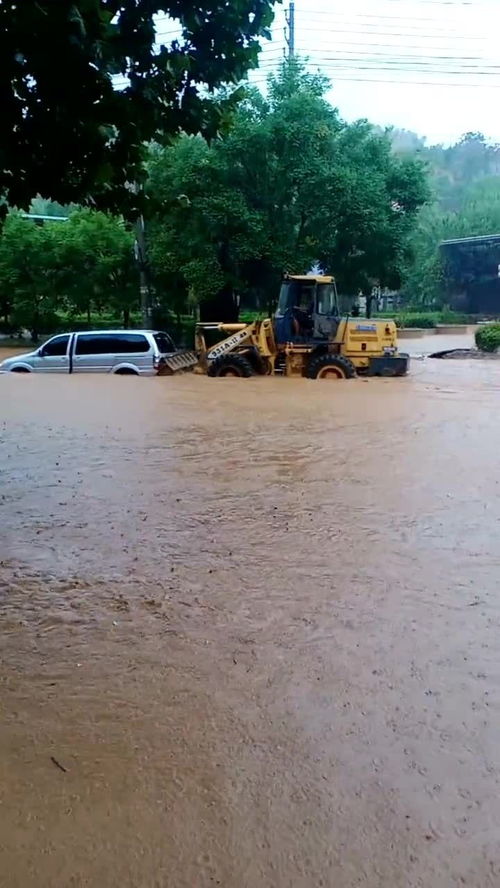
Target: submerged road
(249,631)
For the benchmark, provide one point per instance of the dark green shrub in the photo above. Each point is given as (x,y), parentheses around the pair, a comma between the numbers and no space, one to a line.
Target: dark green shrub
(488,338)
(454,317)
(422,321)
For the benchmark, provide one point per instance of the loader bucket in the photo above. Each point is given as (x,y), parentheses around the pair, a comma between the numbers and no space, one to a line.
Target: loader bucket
(178,362)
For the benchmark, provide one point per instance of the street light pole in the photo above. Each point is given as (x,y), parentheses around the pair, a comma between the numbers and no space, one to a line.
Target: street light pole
(290,37)
(140,255)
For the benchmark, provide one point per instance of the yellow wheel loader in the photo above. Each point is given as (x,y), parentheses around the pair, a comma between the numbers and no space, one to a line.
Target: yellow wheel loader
(307,337)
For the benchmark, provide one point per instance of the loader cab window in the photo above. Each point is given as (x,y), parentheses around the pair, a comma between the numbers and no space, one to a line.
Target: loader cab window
(308,297)
(327,300)
(296,294)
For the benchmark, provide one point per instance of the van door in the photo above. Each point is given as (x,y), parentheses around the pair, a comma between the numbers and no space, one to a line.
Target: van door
(105,352)
(53,356)
(92,353)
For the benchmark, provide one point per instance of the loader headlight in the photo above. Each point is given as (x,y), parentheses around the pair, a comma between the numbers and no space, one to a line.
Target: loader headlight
(390,350)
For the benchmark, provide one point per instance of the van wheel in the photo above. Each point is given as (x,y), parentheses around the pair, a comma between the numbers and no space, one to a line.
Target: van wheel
(20,370)
(126,371)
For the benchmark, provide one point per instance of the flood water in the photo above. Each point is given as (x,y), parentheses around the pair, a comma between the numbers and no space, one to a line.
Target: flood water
(249,631)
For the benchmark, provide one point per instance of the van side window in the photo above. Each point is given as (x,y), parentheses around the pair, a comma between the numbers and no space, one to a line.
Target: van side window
(111,344)
(164,342)
(56,347)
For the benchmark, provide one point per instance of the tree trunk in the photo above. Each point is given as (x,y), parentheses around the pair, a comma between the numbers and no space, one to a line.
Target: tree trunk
(126,317)
(89,319)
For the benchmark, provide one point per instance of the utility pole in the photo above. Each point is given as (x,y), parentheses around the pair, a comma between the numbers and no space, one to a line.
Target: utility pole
(141,259)
(290,33)
(140,255)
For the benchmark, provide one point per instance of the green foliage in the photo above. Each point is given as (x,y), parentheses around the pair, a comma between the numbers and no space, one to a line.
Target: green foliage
(68,132)
(30,275)
(457,168)
(428,320)
(448,316)
(421,321)
(478,215)
(290,184)
(97,251)
(65,268)
(466,184)
(488,338)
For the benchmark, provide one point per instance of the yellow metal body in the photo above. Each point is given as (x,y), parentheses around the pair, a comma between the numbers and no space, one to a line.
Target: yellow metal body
(360,339)
(322,346)
(259,335)
(357,339)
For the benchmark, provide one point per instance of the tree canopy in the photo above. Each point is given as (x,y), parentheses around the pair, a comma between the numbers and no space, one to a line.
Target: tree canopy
(289,185)
(67,131)
(465,181)
(477,213)
(65,268)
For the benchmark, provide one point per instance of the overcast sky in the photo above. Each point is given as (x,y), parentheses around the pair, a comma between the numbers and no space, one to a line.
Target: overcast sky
(432,66)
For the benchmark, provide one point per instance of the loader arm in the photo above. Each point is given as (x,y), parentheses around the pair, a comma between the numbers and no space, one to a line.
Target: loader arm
(239,335)
(257,336)
(244,334)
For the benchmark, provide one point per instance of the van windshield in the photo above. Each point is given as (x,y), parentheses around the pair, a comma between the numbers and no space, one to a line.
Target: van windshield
(164,342)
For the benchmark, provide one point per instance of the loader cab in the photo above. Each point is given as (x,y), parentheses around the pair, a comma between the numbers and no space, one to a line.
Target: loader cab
(307,309)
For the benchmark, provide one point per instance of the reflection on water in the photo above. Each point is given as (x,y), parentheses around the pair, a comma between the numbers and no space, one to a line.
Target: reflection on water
(255,623)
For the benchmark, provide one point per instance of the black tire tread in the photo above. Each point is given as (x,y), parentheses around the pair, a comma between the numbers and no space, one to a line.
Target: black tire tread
(238,362)
(327,360)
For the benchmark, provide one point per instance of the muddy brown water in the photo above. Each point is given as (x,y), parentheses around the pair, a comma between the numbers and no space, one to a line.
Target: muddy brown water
(256,623)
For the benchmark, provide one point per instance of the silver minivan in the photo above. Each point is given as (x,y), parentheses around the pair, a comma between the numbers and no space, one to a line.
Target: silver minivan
(138,352)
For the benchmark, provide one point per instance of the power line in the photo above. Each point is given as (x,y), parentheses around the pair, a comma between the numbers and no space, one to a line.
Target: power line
(390,46)
(331,65)
(376,58)
(336,78)
(366,15)
(455,3)
(378,22)
(433,59)
(371,31)
(405,56)
(358,33)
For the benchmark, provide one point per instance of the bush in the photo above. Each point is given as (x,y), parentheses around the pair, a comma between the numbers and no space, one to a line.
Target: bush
(488,338)
(427,320)
(37,322)
(447,316)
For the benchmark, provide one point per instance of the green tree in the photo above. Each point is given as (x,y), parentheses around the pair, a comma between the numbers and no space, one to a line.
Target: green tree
(203,229)
(84,264)
(291,183)
(477,214)
(96,256)
(67,131)
(31,276)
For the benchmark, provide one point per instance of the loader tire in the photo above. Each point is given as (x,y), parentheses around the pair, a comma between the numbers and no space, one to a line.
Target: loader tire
(231,365)
(331,367)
